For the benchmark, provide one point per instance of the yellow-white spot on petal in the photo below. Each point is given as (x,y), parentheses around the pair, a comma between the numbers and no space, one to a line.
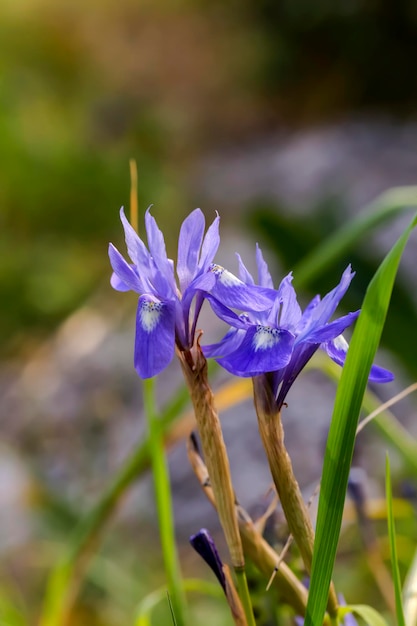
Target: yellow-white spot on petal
(150,312)
(225,277)
(265,337)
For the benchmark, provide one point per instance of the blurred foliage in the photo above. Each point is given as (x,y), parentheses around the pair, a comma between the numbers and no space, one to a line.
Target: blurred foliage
(324,57)
(85,87)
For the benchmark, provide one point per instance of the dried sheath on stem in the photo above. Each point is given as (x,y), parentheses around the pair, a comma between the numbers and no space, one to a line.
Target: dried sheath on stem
(292,502)
(194,366)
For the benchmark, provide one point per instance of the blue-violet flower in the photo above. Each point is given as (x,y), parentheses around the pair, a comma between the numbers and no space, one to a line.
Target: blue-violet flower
(167,311)
(281,340)
(165,315)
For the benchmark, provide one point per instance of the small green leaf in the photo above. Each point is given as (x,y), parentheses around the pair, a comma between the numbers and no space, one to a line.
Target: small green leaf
(367,613)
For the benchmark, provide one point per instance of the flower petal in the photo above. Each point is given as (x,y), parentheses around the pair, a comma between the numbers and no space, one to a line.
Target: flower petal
(328,305)
(203,543)
(380,375)
(264,277)
(135,246)
(332,330)
(227,315)
(234,293)
(301,355)
(126,273)
(230,342)
(290,313)
(156,244)
(264,349)
(155,335)
(210,245)
(189,244)
(244,273)
(118,284)
(337,350)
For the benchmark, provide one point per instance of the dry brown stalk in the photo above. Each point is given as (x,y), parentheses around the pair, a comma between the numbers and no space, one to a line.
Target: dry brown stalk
(264,557)
(292,501)
(194,366)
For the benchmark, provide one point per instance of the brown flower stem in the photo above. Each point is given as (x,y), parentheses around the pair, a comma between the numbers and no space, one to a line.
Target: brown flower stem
(194,366)
(292,502)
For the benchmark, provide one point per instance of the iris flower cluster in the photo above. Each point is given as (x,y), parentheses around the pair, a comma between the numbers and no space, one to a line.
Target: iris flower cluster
(268,332)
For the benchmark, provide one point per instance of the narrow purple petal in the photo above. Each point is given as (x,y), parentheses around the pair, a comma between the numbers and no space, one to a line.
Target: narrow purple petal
(328,305)
(156,245)
(300,357)
(264,277)
(264,349)
(135,246)
(380,375)
(290,313)
(244,273)
(189,244)
(210,245)
(125,272)
(164,282)
(118,284)
(332,330)
(227,315)
(230,342)
(155,335)
(234,293)
(203,543)
(337,350)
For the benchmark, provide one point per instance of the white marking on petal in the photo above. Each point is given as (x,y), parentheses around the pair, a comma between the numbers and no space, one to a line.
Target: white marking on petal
(226,278)
(229,280)
(265,337)
(340,343)
(150,312)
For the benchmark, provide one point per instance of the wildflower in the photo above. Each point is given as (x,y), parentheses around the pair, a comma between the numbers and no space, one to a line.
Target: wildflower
(165,315)
(282,339)
(168,310)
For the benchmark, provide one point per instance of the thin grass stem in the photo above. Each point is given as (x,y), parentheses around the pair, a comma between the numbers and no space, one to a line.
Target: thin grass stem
(243,591)
(164,503)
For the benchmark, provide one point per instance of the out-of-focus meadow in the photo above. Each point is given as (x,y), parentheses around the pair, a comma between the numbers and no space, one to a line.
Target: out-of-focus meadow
(286,117)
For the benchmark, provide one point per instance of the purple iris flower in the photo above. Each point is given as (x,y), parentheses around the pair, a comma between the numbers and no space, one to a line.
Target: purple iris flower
(167,312)
(282,339)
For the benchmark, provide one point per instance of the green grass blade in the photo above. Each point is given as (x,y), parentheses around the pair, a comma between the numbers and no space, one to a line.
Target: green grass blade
(164,507)
(341,437)
(65,577)
(393,547)
(191,585)
(410,594)
(385,423)
(384,208)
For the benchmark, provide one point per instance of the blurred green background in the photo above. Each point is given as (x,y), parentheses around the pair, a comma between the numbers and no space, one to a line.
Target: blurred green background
(86,86)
